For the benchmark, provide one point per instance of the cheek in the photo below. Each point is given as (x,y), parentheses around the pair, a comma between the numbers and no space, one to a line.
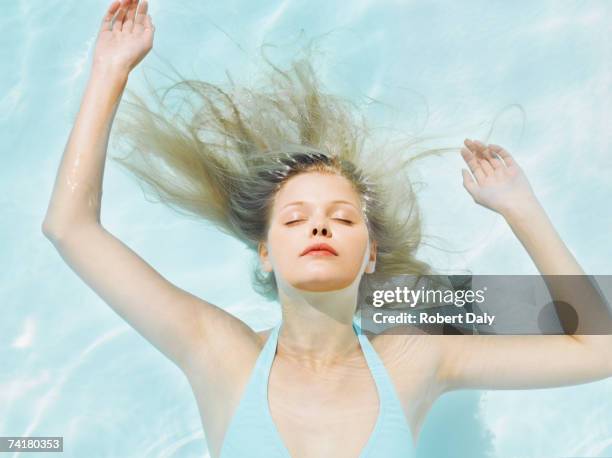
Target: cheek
(355,249)
(281,245)
(364,253)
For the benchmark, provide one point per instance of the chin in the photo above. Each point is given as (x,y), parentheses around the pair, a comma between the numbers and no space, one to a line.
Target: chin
(321,284)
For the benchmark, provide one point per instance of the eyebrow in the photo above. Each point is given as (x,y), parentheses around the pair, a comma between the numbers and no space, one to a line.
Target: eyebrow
(300,202)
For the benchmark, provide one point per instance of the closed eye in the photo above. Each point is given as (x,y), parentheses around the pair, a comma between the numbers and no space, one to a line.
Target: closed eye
(337,219)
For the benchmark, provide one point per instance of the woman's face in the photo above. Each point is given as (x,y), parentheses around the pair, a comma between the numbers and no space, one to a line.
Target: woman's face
(313,208)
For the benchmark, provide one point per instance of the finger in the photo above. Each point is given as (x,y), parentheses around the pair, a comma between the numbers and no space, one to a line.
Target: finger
(141,15)
(481,147)
(118,24)
(485,164)
(474,165)
(148,25)
(505,155)
(468,182)
(493,159)
(484,156)
(492,163)
(131,13)
(108,17)
(473,146)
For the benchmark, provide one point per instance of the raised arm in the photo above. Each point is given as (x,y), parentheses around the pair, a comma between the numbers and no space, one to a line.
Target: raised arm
(179,324)
(530,361)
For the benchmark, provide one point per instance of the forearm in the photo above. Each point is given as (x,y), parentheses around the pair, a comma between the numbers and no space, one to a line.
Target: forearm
(554,260)
(77,193)
(533,228)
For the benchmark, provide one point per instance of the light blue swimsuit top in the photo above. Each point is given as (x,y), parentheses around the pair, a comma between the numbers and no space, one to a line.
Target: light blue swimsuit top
(252,432)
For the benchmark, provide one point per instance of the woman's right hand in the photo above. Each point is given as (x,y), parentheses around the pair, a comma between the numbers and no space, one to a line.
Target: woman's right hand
(123,42)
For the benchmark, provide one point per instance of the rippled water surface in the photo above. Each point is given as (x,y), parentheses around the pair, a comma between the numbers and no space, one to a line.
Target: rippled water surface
(69,366)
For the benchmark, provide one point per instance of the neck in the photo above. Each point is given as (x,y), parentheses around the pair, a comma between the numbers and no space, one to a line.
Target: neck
(317,328)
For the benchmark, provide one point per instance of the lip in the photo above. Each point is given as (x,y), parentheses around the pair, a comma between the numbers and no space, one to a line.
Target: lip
(320,249)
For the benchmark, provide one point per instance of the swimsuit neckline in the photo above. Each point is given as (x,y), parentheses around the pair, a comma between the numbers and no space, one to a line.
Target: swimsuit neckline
(251,424)
(382,404)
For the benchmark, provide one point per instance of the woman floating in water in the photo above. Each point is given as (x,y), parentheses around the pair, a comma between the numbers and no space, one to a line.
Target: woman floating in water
(289,172)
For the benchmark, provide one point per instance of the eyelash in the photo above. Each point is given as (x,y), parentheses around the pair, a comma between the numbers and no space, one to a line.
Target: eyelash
(338,219)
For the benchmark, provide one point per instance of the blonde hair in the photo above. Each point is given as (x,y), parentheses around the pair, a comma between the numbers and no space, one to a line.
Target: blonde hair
(226,157)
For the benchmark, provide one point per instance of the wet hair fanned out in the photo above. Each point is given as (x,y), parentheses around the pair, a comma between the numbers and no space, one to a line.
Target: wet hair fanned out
(225,152)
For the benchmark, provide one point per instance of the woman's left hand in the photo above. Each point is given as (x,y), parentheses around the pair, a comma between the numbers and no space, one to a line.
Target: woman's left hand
(500,184)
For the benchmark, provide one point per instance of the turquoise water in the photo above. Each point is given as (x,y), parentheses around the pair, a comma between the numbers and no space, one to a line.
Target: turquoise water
(69,366)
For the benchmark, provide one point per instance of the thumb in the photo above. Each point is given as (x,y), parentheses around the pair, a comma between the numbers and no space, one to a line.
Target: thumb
(468,182)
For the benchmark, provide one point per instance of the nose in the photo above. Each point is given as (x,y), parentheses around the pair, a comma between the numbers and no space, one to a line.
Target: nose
(320,228)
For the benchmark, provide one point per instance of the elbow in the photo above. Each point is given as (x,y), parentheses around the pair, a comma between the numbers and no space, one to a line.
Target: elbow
(48,230)
(52,232)
(61,234)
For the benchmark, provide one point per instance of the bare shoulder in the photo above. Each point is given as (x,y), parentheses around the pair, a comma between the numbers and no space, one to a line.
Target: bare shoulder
(412,359)
(397,339)
(218,371)
(226,350)
(407,351)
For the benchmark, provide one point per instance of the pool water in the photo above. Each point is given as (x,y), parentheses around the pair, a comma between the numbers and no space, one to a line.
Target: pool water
(71,367)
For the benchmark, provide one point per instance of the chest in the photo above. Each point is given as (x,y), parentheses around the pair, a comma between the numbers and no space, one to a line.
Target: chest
(330,413)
